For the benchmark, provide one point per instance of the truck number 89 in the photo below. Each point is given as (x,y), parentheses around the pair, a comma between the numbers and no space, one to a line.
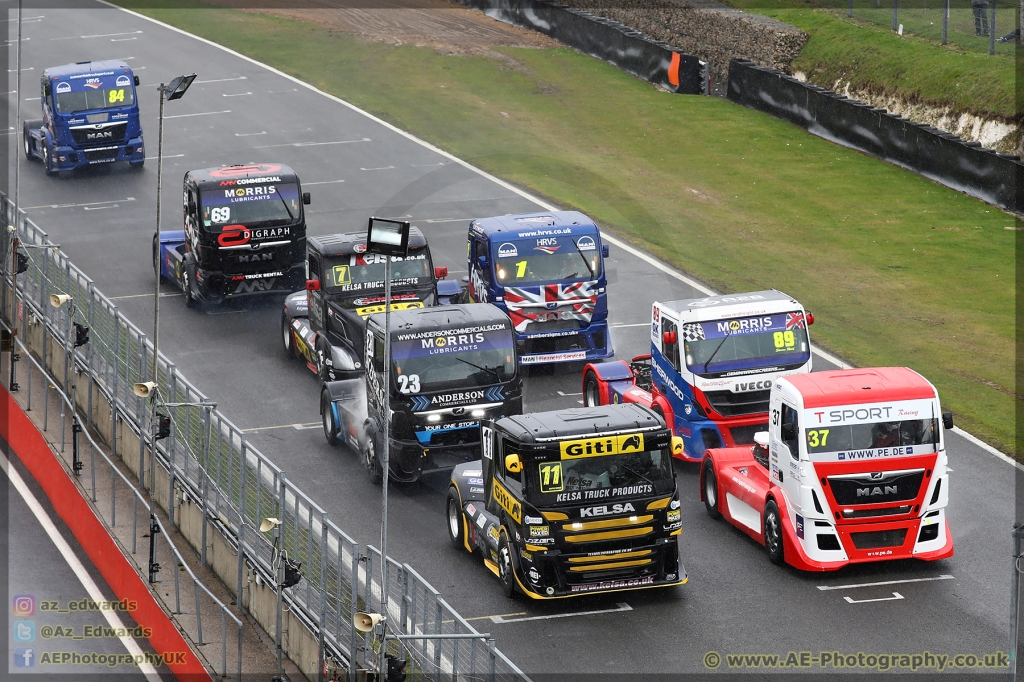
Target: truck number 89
(784,340)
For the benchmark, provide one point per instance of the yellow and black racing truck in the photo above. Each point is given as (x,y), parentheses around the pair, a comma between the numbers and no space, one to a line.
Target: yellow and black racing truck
(572,502)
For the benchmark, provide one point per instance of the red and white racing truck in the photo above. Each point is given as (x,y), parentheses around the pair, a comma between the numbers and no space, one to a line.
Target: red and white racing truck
(852,469)
(712,364)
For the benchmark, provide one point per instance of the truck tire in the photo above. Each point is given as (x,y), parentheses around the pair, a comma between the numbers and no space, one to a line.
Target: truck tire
(156,257)
(48,162)
(371,461)
(506,571)
(454,516)
(137,164)
(286,335)
(591,390)
(773,533)
(26,138)
(709,485)
(186,285)
(327,417)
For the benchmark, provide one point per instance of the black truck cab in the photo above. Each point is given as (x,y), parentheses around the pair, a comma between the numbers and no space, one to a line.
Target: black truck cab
(451,367)
(572,502)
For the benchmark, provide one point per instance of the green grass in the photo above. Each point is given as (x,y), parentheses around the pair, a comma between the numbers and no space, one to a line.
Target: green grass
(917,69)
(897,269)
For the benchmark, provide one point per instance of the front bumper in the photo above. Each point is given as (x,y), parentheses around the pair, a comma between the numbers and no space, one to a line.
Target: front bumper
(409,459)
(216,287)
(582,345)
(70,158)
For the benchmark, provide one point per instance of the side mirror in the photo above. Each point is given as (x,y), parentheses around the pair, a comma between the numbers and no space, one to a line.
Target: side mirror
(947,420)
(137,83)
(482,262)
(604,250)
(513,465)
(677,446)
(788,432)
(810,318)
(440,273)
(465,279)
(312,285)
(305,198)
(761,440)
(670,338)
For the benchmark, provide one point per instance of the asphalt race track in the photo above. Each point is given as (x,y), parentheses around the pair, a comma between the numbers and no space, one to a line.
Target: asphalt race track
(355,167)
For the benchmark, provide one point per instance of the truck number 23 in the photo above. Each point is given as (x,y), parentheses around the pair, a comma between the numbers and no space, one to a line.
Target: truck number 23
(409,383)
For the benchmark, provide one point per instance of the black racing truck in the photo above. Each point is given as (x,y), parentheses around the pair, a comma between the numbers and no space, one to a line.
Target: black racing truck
(324,325)
(245,234)
(451,367)
(572,502)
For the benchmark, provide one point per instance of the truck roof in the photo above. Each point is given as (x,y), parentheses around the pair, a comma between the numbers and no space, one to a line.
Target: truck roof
(580,421)
(224,176)
(860,385)
(346,244)
(540,224)
(79,68)
(441,317)
(737,305)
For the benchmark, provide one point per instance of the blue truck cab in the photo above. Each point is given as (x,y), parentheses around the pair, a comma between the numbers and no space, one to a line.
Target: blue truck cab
(546,271)
(90,116)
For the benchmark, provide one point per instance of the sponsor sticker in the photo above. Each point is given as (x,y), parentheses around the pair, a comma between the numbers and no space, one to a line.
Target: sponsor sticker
(604,445)
(553,357)
(586,243)
(123,81)
(63,87)
(507,250)
(612,585)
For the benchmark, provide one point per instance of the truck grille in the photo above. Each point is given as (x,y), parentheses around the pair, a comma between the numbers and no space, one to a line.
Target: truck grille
(246,262)
(890,486)
(884,511)
(103,134)
(729,404)
(879,538)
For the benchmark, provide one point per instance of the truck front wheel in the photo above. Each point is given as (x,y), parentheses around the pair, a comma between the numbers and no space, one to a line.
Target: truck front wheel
(48,162)
(505,568)
(327,416)
(773,532)
(591,390)
(27,138)
(286,335)
(454,514)
(371,461)
(710,487)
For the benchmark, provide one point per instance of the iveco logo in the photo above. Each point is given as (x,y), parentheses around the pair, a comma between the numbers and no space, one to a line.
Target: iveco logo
(877,490)
(458,410)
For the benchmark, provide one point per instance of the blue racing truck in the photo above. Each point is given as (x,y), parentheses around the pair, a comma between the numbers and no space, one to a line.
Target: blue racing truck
(90,116)
(546,270)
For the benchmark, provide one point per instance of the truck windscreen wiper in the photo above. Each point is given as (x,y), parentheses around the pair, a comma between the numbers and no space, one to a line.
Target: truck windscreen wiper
(489,370)
(585,261)
(637,473)
(717,348)
(284,203)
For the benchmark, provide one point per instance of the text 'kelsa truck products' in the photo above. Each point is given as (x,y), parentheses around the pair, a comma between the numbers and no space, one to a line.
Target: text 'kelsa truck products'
(546,270)
(852,469)
(90,116)
(572,502)
(245,234)
(324,325)
(451,367)
(712,364)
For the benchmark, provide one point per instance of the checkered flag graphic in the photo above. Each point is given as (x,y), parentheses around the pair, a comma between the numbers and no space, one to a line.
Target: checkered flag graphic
(693,332)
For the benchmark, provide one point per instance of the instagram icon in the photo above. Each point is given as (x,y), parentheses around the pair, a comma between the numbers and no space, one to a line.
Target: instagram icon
(24,605)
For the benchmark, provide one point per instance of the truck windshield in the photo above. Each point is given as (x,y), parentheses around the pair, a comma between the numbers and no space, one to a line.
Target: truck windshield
(427,362)
(362,271)
(745,343)
(865,440)
(277,204)
(100,98)
(600,477)
(550,259)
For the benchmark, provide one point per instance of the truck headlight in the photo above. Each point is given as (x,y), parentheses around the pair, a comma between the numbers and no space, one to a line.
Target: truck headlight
(477,413)
(434,418)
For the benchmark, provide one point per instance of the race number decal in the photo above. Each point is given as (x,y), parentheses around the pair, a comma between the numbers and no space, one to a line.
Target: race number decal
(342,275)
(114,96)
(551,477)
(817,438)
(221,214)
(409,383)
(784,341)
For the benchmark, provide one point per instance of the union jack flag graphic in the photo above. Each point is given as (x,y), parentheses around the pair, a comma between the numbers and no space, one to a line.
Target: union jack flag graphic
(795,320)
(550,302)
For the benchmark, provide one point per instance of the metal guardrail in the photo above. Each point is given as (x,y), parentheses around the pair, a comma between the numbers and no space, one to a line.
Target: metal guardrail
(238,486)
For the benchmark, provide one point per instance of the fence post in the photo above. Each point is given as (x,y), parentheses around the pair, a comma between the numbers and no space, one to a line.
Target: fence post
(323,595)
(849,9)
(206,475)
(895,13)
(1018,531)
(353,638)
(945,22)
(992,27)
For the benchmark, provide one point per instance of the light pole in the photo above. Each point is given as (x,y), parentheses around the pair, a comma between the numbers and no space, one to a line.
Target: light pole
(81,338)
(389,238)
(13,384)
(273,525)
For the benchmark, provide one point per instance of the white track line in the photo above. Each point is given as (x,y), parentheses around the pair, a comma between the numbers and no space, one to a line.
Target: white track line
(620,607)
(72,560)
(668,270)
(825,588)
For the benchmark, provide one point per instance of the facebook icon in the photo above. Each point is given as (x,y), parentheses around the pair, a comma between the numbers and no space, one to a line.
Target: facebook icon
(24,657)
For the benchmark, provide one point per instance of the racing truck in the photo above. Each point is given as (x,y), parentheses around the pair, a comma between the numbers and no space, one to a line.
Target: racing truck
(571,502)
(546,270)
(711,367)
(245,234)
(851,469)
(90,116)
(324,325)
(450,367)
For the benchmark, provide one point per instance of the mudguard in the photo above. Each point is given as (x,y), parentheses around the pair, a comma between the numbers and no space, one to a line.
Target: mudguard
(348,401)
(296,305)
(468,481)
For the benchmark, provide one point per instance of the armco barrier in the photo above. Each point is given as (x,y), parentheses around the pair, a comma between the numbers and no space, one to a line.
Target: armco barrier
(217,488)
(961,165)
(34,453)
(625,47)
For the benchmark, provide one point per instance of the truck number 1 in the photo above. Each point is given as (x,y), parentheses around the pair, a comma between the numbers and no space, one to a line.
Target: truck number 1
(520,269)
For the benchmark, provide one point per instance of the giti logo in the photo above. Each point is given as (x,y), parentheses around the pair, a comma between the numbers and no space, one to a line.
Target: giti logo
(507,502)
(598,447)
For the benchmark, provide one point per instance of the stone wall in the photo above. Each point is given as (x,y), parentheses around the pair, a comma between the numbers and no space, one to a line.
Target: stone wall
(706,29)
